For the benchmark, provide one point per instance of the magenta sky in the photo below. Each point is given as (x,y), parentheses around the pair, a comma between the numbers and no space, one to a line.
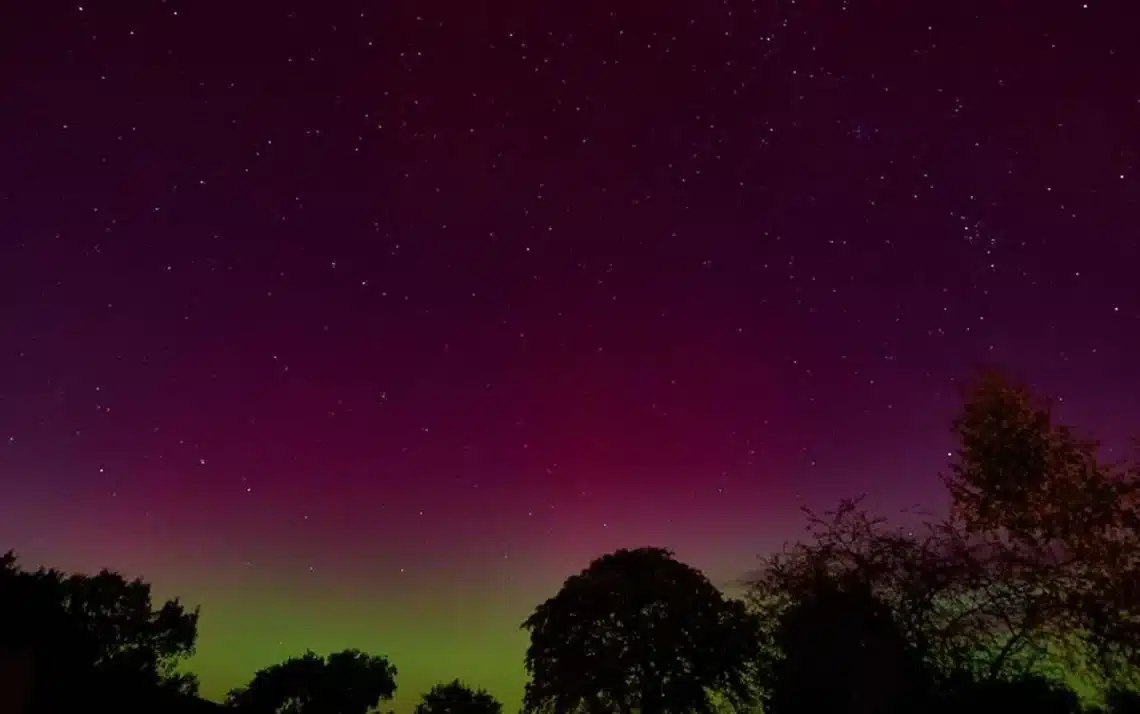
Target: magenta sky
(365,326)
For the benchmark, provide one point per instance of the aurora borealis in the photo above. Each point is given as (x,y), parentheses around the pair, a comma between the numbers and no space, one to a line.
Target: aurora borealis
(365,324)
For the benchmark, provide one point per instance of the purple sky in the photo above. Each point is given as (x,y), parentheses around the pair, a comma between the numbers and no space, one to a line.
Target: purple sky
(365,324)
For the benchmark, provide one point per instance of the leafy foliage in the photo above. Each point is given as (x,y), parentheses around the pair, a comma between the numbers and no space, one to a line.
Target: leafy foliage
(458,698)
(102,623)
(842,629)
(1122,701)
(1038,561)
(638,630)
(941,593)
(1025,693)
(347,682)
(1064,525)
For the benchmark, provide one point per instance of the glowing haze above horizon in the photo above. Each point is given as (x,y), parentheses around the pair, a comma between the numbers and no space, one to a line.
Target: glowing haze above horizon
(365,324)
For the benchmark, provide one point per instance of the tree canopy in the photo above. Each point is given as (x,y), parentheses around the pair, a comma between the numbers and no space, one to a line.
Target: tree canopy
(347,682)
(1062,525)
(458,698)
(1034,572)
(638,630)
(842,629)
(103,625)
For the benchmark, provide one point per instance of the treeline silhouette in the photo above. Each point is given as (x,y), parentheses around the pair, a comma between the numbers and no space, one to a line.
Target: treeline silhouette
(1031,581)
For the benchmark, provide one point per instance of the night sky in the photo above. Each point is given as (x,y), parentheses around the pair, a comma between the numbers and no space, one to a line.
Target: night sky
(365,324)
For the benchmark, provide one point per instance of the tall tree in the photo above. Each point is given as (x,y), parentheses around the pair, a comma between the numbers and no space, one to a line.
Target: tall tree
(1062,524)
(347,682)
(103,624)
(1040,555)
(638,630)
(458,698)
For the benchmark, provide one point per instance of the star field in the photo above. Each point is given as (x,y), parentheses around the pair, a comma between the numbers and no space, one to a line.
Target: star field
(365,324)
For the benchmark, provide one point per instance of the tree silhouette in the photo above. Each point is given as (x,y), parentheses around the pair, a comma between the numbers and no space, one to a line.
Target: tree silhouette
(1040,555)
(1122,701)
(1025,693)
(347,682)
(936,586)
(840,651)
(638,630)
(1063,526)
(100,629)
(457,698)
